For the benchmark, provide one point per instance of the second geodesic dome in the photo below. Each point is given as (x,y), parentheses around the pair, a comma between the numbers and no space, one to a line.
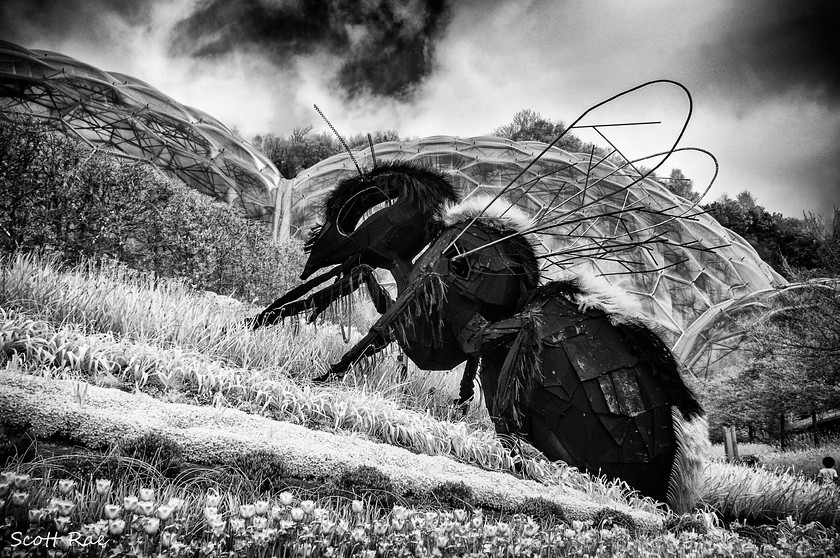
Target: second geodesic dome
(676,283)
(124,116)
(713,341)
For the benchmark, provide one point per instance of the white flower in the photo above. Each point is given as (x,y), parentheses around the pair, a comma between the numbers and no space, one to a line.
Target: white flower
(145,508)
(151,525)
(398,512)
(247,511)
(218,527)
(65,486)
(359,535)
(175,503)
(168,539)
(116,527)
(211,513)
(22,481)
(111,511)
(212,500)
(530,529)
(164,512)
(130,503)
(380,528)
(103,486)
(65,508)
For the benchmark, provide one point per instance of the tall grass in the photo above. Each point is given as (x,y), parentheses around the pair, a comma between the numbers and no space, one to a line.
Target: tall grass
(762,494)
(112,323)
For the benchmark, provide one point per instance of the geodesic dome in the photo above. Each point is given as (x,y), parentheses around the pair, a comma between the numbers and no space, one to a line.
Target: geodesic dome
(124,116)
(702,265)
(712,341)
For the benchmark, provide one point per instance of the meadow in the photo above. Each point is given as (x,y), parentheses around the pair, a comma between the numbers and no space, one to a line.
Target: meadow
(142,418)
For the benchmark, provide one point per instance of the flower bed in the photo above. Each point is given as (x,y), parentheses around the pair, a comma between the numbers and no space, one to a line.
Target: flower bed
(61,517)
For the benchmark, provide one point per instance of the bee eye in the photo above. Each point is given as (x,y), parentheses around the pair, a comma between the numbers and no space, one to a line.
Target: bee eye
(370,212)
(366,215)
(314,233)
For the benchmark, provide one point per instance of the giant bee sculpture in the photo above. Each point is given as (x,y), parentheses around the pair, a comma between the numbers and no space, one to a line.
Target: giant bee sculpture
(562,364)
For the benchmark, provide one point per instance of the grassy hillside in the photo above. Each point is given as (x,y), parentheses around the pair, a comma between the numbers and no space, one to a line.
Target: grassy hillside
(114,375)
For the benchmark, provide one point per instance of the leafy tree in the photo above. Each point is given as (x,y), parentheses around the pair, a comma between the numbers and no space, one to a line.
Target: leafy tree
(360,141)
(829,250)
(791,364)
(301,149)
(528,125)
(681,185)
(785,243)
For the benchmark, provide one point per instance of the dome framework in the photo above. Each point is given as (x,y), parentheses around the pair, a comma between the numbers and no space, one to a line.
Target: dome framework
(124,116)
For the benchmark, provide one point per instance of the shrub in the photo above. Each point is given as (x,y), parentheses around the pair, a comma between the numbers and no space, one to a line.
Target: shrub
(454,494)
(86,466)
(607,518)
(14,441)
(59,196)
(685,523)
(156,450)
(263,469)
(540,508)
(370,482)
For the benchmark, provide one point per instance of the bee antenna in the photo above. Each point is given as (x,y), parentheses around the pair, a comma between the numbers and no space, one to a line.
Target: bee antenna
(372,152)
(341,139)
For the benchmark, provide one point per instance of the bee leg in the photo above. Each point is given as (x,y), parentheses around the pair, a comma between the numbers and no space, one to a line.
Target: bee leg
(273,312)
(370,344)
(467,389)
(380,297)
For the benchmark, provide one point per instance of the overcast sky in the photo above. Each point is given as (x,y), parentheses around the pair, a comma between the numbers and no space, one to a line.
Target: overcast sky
(766,88)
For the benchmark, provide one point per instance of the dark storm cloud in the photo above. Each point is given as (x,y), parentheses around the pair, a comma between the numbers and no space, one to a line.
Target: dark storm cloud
(384,47)
(778,47)
(27,21)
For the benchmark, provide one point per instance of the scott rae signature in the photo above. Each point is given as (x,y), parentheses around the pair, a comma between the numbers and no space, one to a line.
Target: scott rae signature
(53,540)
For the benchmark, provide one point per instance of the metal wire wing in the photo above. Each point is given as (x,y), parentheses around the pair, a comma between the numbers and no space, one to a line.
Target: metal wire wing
(582,206)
